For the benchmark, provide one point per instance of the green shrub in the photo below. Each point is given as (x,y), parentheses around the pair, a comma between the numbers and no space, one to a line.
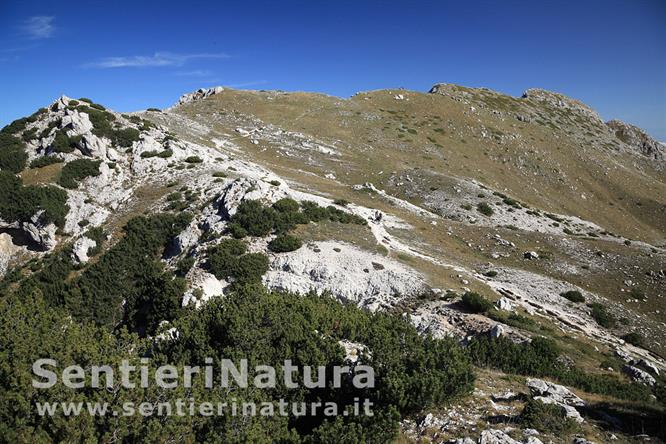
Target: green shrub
(184,266)
(314,212)
(62,143)
(97,234)
(176,195)
(603,317)
(236,231)
(284,243)
(539,358)
(250,268)
(573,296)
(547,418)
(476,303)
(223,257)
(102,127)
(228,260)
(29,135)
(45,161)
(85,99)
(125,137)
(101,121)
(127,286)
(337,215)
(193,159)
(490,273)
(75,171)
(341,202)
(157,110)
(19,125)
(485,209)
(513,319)
(634,338)
(511,202)
(12,153)
(284,215)
(19,203)
(286,205)
(275,183)
(255,218)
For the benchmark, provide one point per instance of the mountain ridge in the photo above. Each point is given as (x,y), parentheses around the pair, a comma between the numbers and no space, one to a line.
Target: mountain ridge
(399,201)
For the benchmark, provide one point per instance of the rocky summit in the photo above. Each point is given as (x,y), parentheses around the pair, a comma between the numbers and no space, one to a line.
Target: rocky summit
(500,260)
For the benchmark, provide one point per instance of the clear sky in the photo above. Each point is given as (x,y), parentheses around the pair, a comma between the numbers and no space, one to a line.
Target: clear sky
(130,55)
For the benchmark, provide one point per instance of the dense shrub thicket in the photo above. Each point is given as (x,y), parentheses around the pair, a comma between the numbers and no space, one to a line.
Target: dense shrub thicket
(412,372)
(45,161)
(601,314)
(103,120)
(13,157)
(573,296)
(75,171)
(62,143)
(476,303)
(97,234)
(284,243)
(254,219)
(19,203)
(485,209)
(229,261)
(634,338)
(547,418)
(129,272)
(164,154)
(539,358)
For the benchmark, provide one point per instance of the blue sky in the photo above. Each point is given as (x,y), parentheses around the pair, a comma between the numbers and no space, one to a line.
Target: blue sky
(132,55)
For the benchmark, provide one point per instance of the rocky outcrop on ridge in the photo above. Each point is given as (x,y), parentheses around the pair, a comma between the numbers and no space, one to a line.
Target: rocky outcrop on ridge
(199,94)
(637,139)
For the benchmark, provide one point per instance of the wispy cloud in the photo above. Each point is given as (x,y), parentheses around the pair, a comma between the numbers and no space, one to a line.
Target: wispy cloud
(156,60)
(39,27)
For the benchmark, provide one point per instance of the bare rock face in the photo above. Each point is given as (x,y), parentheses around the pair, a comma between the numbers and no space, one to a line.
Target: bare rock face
(496,437)
(353,350)
(505,304)
(496,332)
(199,94)
(248,189)
(556,392)
(557,100)
(44,235)
(7,250)
(186,239)
(639,375)
(550,393)
(94,146)
(637,139)
(347,272)
(80,249)
(204,287)
(76,122)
